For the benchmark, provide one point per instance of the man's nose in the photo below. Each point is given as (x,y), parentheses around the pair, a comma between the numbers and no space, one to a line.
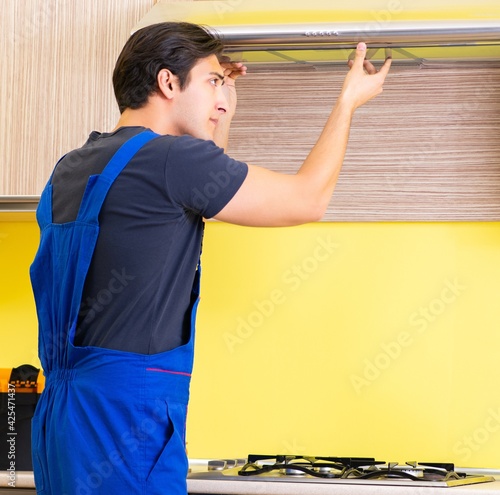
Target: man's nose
(222,103)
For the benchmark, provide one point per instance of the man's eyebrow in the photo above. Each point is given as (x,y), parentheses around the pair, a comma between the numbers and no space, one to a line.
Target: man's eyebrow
(220,76)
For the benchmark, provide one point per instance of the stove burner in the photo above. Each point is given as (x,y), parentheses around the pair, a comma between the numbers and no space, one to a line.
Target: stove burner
(348,467)
(320,467)
(287,470)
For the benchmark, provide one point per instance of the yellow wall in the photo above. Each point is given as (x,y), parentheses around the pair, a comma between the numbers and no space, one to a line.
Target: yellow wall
(332,339)
(18,327)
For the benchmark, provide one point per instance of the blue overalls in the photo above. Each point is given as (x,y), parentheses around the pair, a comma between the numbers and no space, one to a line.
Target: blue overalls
(108,422)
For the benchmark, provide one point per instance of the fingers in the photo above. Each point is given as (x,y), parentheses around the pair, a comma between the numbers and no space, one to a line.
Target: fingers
(384,70)
(369,67)
(233,69)
(363,82)
(360,59)
(359,56)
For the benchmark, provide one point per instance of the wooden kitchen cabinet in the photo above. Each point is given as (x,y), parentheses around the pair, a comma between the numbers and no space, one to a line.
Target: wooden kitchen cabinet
(427,149)
(55,84)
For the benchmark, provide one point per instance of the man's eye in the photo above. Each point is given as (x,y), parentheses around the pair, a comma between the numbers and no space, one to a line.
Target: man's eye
(216,81)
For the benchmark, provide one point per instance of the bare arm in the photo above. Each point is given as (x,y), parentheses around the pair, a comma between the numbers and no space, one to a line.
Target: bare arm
(271,199)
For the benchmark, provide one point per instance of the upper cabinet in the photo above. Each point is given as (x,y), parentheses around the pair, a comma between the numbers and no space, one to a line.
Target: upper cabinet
(55,83)
(427,149)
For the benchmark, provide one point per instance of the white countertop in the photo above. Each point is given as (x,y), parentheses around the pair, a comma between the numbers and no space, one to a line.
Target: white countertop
(24,479)
(253,487)
(223,487)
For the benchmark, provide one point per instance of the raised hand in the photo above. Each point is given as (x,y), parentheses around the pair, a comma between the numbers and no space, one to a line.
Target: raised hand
(232,70)
(364,81)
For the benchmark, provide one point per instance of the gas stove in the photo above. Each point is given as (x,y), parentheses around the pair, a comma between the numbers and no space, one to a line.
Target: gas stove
(342,470)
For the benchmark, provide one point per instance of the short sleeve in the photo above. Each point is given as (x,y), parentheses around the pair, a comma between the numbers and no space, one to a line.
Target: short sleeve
(200,177)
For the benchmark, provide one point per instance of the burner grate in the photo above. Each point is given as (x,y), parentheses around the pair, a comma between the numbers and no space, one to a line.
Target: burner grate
(347,468)
(286,471)
(319,467)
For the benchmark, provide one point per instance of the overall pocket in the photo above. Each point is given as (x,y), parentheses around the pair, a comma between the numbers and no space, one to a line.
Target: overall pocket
(166,449)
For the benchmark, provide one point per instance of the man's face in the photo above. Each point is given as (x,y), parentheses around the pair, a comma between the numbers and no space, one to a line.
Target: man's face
(199,105)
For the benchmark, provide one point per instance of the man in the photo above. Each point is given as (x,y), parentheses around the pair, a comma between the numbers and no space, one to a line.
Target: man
(116,276)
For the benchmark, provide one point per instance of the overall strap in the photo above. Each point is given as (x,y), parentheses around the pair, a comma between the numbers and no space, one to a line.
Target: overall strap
(99,185)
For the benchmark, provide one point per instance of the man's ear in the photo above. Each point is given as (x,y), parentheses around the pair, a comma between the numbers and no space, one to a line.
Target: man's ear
(167,83)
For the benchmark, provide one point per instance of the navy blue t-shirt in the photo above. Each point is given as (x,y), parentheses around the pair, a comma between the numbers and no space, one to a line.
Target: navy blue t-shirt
(137,295)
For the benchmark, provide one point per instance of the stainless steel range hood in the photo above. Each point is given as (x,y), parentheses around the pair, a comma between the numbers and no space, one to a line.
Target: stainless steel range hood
(319,30)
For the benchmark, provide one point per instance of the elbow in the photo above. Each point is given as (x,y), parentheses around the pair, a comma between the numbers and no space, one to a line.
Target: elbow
(312,204)
(316,214)
(309,213)
(317,209)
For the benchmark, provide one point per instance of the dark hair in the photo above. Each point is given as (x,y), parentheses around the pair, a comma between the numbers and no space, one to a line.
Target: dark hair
(176,46)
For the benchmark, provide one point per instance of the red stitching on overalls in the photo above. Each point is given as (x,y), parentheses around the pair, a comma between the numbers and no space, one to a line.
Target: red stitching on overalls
(169,371)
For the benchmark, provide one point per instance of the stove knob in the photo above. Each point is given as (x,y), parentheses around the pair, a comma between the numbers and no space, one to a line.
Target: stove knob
(217,465)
